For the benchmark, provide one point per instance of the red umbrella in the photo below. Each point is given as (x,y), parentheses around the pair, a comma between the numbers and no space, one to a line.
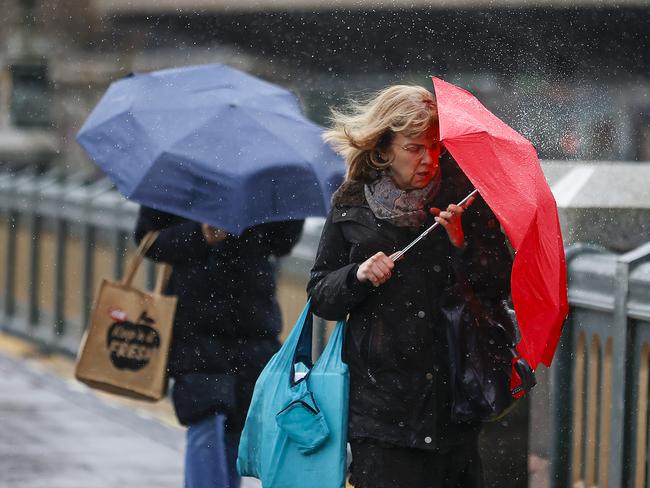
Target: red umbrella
(504,167)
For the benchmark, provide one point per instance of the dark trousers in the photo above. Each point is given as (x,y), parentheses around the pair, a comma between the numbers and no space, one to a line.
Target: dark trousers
(378,465)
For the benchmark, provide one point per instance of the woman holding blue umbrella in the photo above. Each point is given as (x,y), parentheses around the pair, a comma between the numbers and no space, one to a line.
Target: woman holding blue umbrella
(232,167)
(400,426)
(225,330)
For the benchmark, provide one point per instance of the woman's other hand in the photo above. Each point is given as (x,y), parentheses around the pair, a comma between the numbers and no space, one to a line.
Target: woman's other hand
(213,235)
(451,220)
(377,269)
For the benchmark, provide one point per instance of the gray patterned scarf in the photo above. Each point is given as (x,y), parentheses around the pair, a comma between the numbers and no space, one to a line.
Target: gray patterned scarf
(403,208)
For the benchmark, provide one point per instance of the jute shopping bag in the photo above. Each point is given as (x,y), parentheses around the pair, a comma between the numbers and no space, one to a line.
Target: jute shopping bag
(125,348)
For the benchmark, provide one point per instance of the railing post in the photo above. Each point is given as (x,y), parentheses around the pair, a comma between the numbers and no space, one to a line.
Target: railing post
(623,457)
(10,267)
(59,276)
(562,390)
(87,284)
(619,371)
(33,314)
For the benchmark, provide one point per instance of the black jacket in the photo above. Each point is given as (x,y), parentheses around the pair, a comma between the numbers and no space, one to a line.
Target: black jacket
(227,319)
(395,346)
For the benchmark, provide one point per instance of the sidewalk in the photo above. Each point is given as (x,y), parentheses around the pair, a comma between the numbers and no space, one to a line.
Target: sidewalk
(57,433)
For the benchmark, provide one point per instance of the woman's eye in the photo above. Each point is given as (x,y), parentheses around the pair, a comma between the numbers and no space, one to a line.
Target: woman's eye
(412,149)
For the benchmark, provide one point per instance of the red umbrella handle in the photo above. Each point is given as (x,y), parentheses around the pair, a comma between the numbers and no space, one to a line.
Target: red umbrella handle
(401,253)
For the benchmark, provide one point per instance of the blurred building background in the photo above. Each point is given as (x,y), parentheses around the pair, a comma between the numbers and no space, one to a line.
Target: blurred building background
(573,76)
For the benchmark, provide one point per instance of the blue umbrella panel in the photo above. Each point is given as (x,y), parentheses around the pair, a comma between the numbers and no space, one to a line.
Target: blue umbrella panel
(212,144)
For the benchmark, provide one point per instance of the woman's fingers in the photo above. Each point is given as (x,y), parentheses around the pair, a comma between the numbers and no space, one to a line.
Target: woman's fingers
(377,269)
(392,257)
(452,208)
(450,215)
(213,235)
(447,216)
(450,219)
(455,210)
(381,268)
(383,264)
(469,202)
(377,279)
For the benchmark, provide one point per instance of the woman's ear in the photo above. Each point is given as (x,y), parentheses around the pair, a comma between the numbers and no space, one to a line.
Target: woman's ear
(380,158)
(383,148)
(386,154)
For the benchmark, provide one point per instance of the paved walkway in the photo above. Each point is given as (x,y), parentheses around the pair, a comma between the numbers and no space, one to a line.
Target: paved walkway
(56,433)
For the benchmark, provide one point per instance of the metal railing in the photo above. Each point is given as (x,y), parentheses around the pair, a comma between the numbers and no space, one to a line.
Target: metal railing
(602,372)
(59,233)
(62,234)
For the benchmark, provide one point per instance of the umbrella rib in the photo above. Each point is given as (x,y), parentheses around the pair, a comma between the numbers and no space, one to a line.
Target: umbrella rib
(281,136)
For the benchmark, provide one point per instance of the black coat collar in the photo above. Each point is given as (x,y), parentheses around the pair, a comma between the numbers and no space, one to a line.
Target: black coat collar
(350,194)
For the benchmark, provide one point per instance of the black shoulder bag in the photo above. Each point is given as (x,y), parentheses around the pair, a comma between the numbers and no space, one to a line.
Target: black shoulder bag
(482,342)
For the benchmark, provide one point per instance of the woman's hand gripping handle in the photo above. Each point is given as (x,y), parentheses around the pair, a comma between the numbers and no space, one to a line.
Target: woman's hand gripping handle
(377,269)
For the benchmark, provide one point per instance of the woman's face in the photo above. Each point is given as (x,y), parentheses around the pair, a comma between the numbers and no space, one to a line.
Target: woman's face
(414,160)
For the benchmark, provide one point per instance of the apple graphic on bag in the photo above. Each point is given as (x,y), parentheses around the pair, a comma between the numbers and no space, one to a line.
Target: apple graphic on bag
(131,346)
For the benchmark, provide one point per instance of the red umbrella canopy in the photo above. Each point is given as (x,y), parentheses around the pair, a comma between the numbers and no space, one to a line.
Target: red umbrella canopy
(504,167)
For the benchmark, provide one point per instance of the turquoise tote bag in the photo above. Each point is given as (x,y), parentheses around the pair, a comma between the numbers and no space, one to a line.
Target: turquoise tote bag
(295,434)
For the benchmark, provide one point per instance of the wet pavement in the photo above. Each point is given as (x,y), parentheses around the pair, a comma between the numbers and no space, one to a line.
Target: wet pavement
(57,433)
(54,434)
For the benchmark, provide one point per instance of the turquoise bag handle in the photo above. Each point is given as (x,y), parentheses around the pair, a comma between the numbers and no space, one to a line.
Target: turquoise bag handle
(304,351)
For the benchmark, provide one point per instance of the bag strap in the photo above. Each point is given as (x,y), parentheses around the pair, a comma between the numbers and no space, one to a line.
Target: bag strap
(304,346)
(146,242)
(162,278)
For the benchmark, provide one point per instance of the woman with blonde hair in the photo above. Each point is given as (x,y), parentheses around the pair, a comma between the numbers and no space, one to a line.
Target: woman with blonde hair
(400,426)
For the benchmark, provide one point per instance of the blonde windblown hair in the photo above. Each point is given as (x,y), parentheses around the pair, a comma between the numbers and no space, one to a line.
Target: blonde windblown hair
(365,131)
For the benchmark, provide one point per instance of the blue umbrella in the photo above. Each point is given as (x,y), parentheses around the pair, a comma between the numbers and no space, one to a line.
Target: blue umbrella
(212,144)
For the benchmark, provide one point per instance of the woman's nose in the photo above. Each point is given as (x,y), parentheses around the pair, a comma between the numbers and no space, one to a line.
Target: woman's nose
(431,156)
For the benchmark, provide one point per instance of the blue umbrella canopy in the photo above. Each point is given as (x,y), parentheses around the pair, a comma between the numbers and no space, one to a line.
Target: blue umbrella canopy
(212,144)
